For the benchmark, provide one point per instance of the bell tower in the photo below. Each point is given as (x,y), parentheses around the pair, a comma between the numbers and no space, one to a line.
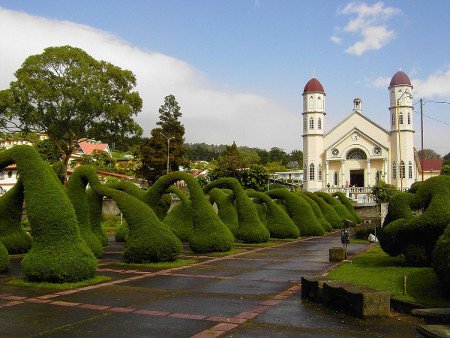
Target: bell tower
(313,125)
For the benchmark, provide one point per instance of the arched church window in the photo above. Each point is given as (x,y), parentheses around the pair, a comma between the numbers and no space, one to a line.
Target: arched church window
(305,124)
(305,172)
(319,124)
(410,170)
(311,103)
(394,170)
(311,172)
(393,121)
(400,118)
(335,178)
(9,174)
(319,103)
(402,169)
(409,118)
(356,154)
(319,172)
(311,123)
(2,175)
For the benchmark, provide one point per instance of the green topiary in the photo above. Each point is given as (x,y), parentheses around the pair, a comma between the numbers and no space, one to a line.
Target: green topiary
(250,228)
(327,211)
(226,208)
(121,234)
(346,202)
(315,207)
(76,190)
(59,253)
(262,211)
(179,219)
(277,220)
(441,257)
(95,201)
(14,238)
(299,211)
(4,259)
(209,233)
(341,210)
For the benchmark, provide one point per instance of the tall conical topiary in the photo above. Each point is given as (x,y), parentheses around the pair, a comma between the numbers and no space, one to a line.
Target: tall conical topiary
(279,224)
(346,202)
(13,237)
(4,259)
(226,208)
(59,253)
(179,219)
(299,211)
(250,228)
(315,207)
(341,210)
(327,211)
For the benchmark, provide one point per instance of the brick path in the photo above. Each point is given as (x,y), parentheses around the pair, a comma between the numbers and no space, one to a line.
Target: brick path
(252,293)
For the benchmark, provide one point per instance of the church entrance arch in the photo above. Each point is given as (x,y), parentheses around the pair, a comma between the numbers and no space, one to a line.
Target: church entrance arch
(357,178)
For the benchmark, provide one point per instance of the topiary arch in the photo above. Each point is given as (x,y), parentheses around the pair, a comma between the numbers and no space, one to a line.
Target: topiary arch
(327,210)
(317,212)
(226,208)
(179,219)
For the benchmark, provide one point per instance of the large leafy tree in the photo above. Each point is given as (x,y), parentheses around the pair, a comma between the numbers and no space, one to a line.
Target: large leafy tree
(153,152)
(428,153)
(67,94)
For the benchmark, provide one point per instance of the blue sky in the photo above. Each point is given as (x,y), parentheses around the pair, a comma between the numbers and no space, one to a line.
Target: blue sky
(238,67)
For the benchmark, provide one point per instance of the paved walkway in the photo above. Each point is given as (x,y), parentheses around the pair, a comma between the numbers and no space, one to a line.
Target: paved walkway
(250,294)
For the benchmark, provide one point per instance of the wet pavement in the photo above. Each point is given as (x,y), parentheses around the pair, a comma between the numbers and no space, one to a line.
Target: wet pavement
(248,294)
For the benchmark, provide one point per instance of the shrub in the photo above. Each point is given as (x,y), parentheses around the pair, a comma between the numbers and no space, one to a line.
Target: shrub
(179,219)
(226,208)
(315,207)
(76,190)
(12,235)
(383,192)
(346,202)
(209,233)
(327,210)
(4,259)
(58,253)
(95,201)
(299,211)
(121,234)
(277,220)
(441,257)
(250,228)
(341,210)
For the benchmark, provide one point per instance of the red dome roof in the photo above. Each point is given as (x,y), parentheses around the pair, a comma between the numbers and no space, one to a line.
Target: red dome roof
(313,86)
(400,78)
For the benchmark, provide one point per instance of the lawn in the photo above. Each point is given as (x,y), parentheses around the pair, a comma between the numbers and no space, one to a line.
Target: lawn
(376,269)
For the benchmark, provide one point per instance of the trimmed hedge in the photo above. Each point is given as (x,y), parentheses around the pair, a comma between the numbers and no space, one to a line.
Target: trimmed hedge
(76,190)
(415,236)
(13,237)
(347,202)
(327,210)
(341,210)
(441,257)
(59,253)
(226,208)
(250,228)
(95,202)
(4,259)
(278,222)
(179,219)
(315,207)
(299,211)
(209,233)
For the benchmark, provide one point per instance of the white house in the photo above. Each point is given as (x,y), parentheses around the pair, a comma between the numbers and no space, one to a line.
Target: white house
(359,152)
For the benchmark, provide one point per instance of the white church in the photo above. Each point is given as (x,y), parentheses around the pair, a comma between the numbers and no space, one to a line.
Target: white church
(358,152)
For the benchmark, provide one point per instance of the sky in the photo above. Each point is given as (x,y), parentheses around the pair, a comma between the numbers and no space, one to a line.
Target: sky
(238,67)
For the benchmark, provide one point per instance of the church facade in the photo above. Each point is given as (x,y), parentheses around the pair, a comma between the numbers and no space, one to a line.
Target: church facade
(358,152)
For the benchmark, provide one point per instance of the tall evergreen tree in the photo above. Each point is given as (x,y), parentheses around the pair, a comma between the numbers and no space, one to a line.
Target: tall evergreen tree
(154,151)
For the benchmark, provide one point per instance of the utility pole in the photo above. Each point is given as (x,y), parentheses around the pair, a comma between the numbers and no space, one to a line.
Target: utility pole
(168,150)
(421,135)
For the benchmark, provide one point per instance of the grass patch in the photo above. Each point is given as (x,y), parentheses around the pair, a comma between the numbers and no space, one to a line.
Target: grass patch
(379,271)
(59,286)
(226,253)
(162,265)
(358,241)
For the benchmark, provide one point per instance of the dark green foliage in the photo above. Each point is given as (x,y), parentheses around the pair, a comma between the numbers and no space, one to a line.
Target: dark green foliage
(341,210)
(179,219)
(76,190)
(121,234)
(278,222)
(441,257)
(315,207)
(59,253)
(262,212)
(348,204)
(13,237)
(95,215)
(250,228)
(383,192)
(299,211)
(4,259)
(415,236)
(327,211)
(254,178)
(445,170)
(226,208)
(209,232)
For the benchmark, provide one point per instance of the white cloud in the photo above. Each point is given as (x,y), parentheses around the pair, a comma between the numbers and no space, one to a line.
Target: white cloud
(335,39)
(369,23)
(380,82)
(210,114)
(436,85)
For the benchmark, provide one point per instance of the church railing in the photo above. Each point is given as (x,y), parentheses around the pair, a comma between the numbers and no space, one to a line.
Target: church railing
(359,195)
